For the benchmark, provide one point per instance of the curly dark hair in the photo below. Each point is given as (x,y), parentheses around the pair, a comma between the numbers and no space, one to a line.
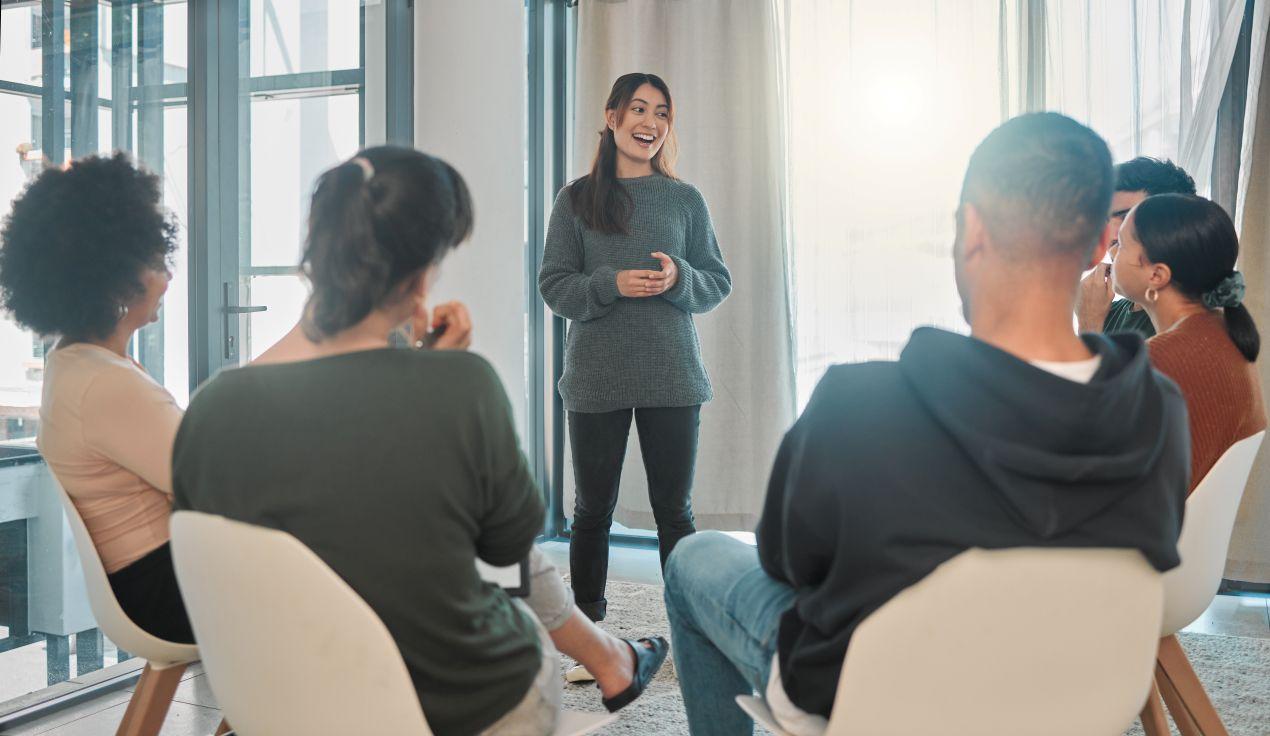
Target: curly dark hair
(75,246)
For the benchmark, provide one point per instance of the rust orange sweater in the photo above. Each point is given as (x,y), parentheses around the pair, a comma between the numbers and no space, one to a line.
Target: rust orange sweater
(1221,388)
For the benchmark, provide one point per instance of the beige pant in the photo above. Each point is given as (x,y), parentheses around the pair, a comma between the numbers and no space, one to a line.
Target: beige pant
(550,604)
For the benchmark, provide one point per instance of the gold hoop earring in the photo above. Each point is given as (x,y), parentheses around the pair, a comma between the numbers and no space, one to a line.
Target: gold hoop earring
(1152,295)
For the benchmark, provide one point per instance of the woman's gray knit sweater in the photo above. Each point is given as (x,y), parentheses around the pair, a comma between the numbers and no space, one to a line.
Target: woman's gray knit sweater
(621,352)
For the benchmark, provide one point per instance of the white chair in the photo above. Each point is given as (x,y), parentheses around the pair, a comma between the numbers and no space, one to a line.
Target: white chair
(289,647)
(165,660)
(1015,642)
(1190,588)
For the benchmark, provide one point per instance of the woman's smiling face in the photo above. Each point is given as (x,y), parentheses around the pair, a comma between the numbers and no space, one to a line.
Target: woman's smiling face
(641,129)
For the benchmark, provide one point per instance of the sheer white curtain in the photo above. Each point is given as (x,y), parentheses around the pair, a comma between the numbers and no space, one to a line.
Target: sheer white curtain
(719,59)
(1147,74)
(884,103)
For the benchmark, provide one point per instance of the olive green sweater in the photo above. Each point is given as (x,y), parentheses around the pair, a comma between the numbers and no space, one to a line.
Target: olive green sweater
(398,468)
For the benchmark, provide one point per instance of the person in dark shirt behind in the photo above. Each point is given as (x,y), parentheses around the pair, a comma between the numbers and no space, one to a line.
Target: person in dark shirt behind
(1028,436)
(1097,308)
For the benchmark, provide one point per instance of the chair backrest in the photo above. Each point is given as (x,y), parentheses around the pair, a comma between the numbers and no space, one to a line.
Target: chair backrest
(1007,642)
(1206,528)
(288,646)
(111,619)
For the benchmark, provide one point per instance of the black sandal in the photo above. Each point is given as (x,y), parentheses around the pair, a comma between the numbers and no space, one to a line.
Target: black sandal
(648,659)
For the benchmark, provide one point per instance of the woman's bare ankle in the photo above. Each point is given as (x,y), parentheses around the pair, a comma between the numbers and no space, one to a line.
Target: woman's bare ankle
(618,670)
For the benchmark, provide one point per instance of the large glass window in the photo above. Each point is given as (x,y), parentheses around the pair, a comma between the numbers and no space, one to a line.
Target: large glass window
(85,76)
(76,79)
(303,94)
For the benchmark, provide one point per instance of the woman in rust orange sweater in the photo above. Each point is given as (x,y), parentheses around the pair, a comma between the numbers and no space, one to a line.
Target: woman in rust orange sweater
(1177,259)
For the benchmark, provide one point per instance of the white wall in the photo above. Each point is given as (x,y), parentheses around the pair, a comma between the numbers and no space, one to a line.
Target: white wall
(470,82)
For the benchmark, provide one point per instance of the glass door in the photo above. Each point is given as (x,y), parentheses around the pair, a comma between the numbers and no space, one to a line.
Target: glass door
(302,100)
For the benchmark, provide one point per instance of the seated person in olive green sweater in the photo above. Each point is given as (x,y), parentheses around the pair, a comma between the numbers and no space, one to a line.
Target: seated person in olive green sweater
(401,467)
(1097,308)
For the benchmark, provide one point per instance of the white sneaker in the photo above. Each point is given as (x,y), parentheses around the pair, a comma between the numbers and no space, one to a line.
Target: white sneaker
(578,673)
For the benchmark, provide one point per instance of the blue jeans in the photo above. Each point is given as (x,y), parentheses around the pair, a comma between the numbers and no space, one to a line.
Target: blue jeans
(724,614)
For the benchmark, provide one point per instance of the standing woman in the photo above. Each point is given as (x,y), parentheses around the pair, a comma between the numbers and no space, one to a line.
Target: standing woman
(630,256)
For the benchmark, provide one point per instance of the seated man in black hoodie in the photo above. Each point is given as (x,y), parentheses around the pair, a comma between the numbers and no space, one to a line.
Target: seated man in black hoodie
(1021,435)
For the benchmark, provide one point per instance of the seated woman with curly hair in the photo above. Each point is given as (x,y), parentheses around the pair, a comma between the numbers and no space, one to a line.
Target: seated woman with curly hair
(84,256)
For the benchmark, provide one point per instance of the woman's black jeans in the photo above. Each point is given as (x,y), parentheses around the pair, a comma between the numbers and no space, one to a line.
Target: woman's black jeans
(668,440)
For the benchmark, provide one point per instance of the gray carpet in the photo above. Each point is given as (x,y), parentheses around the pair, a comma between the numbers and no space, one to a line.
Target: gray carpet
(1235,671)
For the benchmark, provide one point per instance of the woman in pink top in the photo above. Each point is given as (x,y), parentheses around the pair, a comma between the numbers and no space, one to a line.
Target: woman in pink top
(84,256)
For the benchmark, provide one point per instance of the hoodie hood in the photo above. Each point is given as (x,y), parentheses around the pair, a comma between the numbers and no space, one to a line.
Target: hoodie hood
(1056,452)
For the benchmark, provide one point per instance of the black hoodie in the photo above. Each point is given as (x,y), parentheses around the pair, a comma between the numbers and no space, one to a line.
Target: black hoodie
(895,468)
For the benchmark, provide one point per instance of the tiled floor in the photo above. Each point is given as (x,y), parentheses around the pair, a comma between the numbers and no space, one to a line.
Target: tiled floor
(23,670)
(194,710)
(1235,616)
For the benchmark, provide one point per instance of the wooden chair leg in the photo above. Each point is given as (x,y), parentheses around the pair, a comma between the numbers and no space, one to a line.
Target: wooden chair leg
(149,704)
(223,728)
(1173,701)
(1190,692)
(1153,720)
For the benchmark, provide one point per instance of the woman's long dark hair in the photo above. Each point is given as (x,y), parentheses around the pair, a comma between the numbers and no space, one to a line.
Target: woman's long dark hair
(376,221)
(598,198)
(1195,238)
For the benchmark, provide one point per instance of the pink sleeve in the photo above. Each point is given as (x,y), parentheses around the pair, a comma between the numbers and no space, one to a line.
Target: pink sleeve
(133,421)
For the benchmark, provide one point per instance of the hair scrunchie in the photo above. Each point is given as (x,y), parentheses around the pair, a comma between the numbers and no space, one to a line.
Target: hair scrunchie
(1229,292)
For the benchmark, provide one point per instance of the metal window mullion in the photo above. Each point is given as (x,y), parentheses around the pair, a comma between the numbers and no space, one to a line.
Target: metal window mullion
(121,51)
(150,151)
(361,63)
(25,90)
(534,203)
(319,82)
(53,75)
(271,270)
(237,285)
(176,91)
(83,68)
(213,166)
(561,46)
(150,137)
(399,73)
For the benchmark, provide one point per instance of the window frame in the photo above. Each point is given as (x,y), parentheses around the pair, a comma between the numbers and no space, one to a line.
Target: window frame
(216,160)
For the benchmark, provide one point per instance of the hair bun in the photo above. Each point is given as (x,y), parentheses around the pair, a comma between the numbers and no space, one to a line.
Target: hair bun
(1229,292)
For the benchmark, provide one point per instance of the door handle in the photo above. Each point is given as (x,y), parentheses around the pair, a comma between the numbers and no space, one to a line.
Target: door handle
(230,311)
